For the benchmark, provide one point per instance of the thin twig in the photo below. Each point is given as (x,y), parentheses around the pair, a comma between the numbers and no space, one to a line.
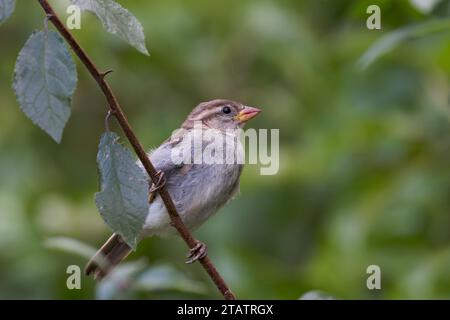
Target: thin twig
(137,146)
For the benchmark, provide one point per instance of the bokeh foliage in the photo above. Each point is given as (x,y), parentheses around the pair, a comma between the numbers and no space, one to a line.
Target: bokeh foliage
(364,153)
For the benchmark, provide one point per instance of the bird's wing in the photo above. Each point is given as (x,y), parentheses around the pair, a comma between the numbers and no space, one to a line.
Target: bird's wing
(162,160)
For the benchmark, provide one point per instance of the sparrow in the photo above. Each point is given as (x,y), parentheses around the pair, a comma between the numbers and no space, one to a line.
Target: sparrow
(198,188)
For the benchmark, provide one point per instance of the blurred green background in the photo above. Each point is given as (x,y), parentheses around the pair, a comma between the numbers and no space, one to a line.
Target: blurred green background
(364,152)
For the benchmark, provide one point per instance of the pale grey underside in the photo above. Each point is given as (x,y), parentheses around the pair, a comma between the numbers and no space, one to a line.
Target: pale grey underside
(198,192)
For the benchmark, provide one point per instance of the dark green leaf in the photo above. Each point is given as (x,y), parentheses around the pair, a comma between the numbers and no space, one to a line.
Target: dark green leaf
(45,79)
(116,20)
(6,9)
(123,200)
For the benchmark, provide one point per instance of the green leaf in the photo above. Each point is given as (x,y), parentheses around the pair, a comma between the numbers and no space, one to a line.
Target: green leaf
(116,20)
(123,200)
(70,245)
(77,247)
(45,79)
(6,9)
(390,41)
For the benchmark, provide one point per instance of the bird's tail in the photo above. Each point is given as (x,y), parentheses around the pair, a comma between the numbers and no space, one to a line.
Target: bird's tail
(107,257)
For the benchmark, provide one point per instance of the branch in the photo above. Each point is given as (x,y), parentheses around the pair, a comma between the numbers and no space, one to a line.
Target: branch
(137,146)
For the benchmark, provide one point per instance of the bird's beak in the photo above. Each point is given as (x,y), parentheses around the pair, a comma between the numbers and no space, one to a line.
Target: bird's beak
(247,113)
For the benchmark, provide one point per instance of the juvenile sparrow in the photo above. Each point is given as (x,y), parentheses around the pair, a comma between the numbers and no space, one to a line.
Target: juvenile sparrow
(198,188)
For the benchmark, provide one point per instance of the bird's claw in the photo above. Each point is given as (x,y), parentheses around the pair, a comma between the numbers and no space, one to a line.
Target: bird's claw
(156,186)
(151,195)
(199,251)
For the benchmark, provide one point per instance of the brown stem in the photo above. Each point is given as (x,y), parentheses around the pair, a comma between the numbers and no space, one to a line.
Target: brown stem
(137,146)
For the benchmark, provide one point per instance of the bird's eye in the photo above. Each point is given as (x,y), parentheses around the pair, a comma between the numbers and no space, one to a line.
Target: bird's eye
(226,109)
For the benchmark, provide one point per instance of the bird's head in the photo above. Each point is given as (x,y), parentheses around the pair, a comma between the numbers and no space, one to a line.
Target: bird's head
(221,114)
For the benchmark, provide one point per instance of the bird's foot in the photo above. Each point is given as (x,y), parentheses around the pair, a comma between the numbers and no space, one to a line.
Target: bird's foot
(154,187)
(198,252)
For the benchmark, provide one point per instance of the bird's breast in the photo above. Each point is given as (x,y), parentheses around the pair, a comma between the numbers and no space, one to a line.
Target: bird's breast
(198,190)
